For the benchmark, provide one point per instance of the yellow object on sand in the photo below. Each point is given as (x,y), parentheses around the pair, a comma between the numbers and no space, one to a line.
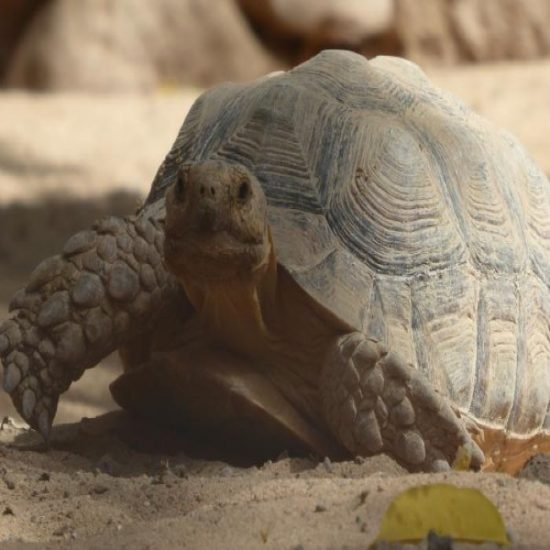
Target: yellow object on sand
(465,514)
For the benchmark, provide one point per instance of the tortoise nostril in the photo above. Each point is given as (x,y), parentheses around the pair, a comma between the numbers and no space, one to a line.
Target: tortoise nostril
(212,191)
(201,190)
(244,190)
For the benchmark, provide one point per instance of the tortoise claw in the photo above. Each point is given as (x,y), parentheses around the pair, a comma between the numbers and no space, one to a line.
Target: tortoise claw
(37,409)
(27,404)
(44,424)
(33,397)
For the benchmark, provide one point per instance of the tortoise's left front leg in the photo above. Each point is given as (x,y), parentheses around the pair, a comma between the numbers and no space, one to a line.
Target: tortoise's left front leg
(374,403)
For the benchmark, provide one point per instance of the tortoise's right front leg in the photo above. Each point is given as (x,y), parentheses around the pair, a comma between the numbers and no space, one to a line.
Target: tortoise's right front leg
(78,307)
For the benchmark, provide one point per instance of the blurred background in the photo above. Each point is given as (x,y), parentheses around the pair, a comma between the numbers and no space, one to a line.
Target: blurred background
(92,93)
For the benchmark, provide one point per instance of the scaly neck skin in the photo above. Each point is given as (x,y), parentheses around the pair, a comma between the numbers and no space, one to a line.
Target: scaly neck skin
(241,312)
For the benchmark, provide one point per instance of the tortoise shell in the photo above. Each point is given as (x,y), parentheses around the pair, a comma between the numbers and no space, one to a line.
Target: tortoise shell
(403,212)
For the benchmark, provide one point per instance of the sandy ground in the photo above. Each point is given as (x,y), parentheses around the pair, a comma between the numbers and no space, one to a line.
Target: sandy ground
(93,489)
(113,483)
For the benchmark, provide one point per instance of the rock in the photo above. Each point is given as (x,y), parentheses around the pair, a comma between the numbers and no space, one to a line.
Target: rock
(187,42)
(10,484)
(447,31)
(136,45)
(469,30)
(99,489)
(312,25)
(538,468)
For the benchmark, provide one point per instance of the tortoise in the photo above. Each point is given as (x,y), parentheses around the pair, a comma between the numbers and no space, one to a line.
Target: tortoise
(339,258)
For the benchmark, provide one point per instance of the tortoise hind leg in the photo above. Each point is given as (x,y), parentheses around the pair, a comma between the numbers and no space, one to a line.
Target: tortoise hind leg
(223,400)
(376,403)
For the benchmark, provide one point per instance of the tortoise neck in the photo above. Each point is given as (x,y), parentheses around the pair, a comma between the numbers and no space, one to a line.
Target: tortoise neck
(270,319)
(239,312)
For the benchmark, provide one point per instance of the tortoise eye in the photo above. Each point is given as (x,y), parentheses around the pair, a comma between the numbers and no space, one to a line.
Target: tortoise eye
(244,190)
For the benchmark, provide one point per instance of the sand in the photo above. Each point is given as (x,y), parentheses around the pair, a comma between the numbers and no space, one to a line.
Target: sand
(100,485)
(112,482)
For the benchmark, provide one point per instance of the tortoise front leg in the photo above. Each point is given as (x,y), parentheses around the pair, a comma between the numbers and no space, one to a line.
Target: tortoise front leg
(78,307)
(376,403)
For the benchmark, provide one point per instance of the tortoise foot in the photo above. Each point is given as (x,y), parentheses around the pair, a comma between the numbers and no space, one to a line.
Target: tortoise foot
(375,403)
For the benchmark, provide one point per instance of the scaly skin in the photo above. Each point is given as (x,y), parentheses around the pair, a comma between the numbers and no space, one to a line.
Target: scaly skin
(376,403)
(104,289)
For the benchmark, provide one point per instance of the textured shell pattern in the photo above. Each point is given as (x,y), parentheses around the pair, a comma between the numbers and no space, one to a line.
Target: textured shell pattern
(403,212)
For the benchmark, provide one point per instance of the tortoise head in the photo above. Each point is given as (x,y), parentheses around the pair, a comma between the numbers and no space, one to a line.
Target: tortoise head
(216,222)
